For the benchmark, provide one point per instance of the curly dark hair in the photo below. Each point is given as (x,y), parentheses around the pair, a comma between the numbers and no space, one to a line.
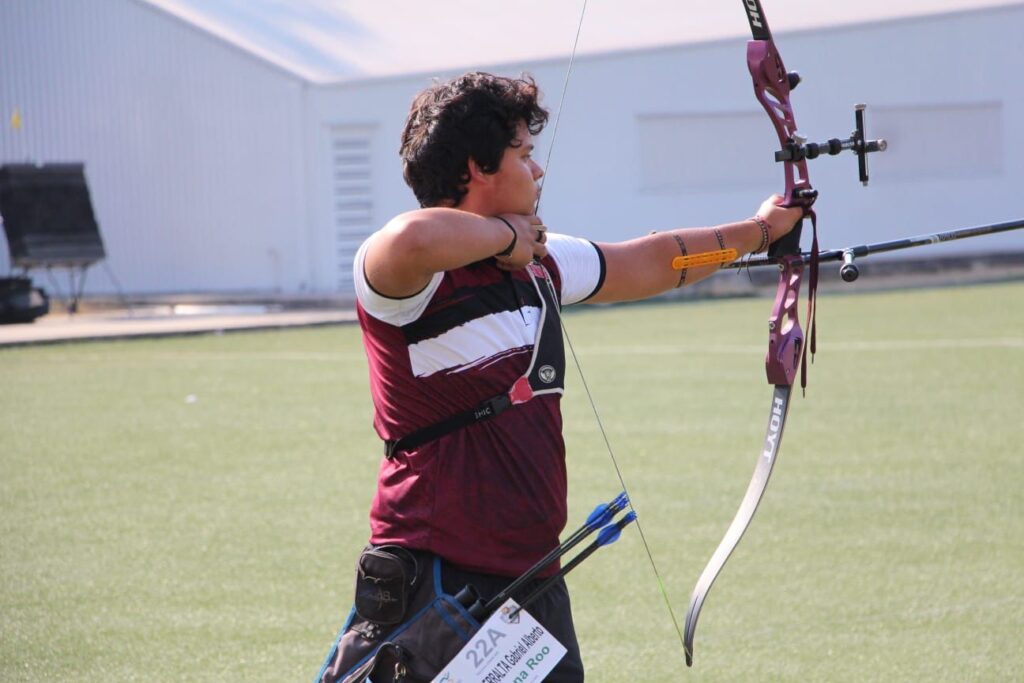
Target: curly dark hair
(471,117)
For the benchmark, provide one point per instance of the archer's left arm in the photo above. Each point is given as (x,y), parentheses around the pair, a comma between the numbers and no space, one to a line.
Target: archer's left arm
(642,267)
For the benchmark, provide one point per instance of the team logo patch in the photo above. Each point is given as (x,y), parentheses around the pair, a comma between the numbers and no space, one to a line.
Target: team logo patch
(547,374)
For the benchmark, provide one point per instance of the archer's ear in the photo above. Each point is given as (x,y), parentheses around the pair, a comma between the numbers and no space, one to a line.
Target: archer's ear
(476,174)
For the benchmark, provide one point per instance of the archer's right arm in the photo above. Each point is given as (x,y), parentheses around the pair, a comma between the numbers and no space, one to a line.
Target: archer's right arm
(403,256)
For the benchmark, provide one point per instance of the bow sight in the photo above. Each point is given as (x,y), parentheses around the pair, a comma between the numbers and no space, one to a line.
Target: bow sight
(798,149)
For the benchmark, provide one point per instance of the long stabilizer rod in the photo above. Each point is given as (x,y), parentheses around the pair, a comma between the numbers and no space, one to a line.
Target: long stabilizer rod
(847,255)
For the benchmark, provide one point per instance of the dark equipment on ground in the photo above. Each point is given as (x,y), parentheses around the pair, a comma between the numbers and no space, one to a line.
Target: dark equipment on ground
(20,302)
(49,222)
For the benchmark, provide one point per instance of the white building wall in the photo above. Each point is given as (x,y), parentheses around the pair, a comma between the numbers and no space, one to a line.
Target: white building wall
(673,136)
(192,148)
(212,170)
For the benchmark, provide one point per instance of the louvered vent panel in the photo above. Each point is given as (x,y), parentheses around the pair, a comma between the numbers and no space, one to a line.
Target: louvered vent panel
(352,197)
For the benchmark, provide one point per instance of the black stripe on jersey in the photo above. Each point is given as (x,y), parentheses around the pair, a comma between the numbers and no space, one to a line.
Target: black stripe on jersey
(471,303)
(600,279)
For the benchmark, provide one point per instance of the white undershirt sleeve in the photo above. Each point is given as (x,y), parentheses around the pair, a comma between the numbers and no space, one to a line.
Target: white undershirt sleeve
(385,308)
(580,264)
(579,261)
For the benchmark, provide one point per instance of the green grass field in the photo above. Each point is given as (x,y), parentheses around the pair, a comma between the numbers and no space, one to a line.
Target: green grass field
(146,536)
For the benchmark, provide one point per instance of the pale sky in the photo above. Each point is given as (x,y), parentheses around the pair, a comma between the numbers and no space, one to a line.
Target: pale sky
(345,39)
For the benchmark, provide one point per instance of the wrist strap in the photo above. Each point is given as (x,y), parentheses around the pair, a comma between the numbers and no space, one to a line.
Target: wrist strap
(515,238)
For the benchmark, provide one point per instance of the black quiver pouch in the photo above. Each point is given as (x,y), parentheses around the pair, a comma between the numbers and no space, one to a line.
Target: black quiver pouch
(385,578)
(403,628)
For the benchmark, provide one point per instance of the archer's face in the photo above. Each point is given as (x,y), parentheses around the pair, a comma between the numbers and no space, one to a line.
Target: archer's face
(515,181)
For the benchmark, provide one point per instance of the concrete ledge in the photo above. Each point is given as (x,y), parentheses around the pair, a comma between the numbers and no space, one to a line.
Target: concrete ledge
(163,321)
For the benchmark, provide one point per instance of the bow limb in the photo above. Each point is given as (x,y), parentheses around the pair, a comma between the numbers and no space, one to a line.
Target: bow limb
(786,349)
(755,491)
(772,86)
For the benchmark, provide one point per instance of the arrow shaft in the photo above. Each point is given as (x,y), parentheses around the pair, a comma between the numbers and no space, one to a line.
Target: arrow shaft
(612,531)
(590,526)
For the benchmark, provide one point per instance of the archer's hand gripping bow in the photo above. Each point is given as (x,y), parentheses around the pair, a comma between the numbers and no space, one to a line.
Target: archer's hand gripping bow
(786,348)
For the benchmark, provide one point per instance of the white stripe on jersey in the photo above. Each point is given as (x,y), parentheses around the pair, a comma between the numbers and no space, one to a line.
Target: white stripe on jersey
(478,342)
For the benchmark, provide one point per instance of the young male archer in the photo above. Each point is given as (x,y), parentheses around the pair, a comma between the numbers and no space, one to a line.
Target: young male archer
(458,304)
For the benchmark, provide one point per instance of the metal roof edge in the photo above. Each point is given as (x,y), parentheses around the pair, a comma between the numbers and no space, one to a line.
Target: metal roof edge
(504,66)
(211,29)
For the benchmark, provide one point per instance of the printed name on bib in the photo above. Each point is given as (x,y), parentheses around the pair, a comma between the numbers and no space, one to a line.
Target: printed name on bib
(505,651)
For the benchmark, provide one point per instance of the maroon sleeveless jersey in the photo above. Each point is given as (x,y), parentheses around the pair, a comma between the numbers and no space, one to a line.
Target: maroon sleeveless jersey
(491,496)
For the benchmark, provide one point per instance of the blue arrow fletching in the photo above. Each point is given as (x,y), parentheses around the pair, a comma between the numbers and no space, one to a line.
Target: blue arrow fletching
(611,533)
(608,535)
(598,516)
(604,512)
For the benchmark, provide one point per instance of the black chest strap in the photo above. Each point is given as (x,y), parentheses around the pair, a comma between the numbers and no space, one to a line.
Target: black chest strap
(545,375)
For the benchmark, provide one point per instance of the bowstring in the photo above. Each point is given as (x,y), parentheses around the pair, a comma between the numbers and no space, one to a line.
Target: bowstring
(558,114)
(572,349)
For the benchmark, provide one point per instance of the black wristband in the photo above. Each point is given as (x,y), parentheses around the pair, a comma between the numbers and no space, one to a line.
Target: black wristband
(515,238)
